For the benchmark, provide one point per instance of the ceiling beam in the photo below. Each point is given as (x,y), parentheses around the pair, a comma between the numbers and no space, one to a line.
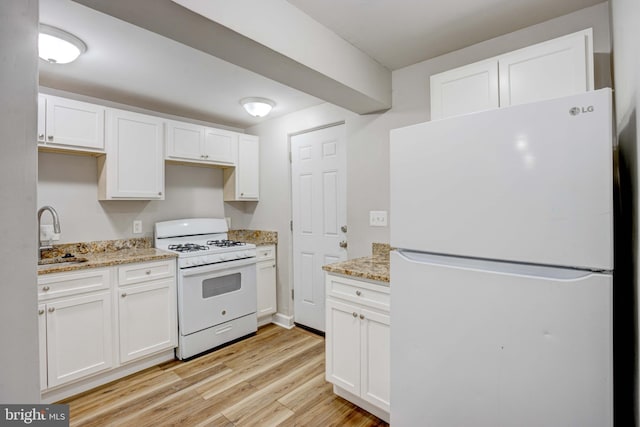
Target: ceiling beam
(271,38)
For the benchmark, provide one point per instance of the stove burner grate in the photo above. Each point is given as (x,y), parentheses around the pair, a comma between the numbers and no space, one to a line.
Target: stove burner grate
(188,247)
(225,243)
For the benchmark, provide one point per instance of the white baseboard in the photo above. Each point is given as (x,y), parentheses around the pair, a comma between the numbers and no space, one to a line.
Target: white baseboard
(283,320)
(265,320)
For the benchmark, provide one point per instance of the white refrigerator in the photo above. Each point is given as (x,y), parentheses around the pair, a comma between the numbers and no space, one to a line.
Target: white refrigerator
(501,284)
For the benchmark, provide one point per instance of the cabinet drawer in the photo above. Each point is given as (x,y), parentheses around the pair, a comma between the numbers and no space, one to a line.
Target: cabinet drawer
(265,252)
(65,284)
(364,293)
(136,273)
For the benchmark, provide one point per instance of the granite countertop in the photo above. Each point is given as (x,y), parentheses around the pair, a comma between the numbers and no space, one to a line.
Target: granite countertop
(104,253)
(374,267)
(257,237)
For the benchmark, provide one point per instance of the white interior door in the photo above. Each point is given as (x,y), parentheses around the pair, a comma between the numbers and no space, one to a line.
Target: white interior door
(319,192)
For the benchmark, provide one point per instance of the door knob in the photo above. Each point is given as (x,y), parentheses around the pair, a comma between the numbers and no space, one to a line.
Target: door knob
(343,244)
(343,228)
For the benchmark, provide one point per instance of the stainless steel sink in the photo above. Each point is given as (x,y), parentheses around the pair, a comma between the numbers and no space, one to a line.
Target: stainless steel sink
(65,260)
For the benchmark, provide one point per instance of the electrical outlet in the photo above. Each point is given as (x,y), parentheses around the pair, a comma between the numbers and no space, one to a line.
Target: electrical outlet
(378,218)
(137,227)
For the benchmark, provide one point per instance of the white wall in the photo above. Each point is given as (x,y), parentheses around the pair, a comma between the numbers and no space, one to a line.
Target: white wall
(368,140)
(625,17)
(19,380)
(69,184)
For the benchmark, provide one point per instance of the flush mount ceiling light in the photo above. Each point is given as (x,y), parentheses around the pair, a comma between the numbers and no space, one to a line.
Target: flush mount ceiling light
(257,107)
(57,46)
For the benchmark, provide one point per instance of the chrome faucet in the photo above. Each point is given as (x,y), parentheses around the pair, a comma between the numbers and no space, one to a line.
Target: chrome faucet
(56,227)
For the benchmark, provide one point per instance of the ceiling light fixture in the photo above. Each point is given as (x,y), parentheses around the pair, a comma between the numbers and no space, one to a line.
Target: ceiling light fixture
(57,46)
(257,107)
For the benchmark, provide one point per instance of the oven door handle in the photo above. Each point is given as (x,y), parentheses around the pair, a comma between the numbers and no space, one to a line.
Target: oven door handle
(214,268)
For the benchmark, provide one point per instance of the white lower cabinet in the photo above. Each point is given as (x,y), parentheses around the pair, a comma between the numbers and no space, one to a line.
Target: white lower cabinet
(358,342)
(147,314)
(75,324)
(266,281)
(82,332)
(78,337)
(42,343)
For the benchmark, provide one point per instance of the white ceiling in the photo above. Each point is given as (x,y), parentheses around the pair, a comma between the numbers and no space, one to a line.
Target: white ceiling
(398,33)
(131,65)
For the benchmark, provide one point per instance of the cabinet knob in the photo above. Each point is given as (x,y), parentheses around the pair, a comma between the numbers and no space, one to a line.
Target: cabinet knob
(224,312)
(45,288)
(52,309)
(41,136)
(124,294)
(355,314)
(41,311)
(50,137)
(343,228)
(148,272)
(358,293)
(274,266)
(362,316)
(206,156)
(159,193)
(242,194)
(343,244)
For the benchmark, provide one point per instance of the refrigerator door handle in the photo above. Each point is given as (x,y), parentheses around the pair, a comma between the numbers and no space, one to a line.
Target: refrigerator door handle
(501,267)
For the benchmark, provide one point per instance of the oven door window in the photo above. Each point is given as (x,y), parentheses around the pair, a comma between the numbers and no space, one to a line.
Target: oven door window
(217,286)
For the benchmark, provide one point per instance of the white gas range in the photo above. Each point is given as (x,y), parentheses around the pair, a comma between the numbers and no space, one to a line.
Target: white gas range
(216,283)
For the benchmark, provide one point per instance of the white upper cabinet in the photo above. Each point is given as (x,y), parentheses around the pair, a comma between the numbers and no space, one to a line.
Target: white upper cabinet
(559,67)
(184,141)
(200,144)
(464,90)
(220,146)
(66,124)
(243,181)
(133,168)
(555,68)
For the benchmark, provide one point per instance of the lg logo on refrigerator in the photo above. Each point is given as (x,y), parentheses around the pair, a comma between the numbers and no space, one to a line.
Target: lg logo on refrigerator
(577,110)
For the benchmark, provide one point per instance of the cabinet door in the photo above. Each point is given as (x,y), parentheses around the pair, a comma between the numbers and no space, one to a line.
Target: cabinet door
(135,159)
(147,315)
(343,345)
(376,358)
(559,67)
(220,146)
(266,284)
(465,90)
(248,168)
(42,341)
(42,111)
(184,141)
(78,337)
(74,124)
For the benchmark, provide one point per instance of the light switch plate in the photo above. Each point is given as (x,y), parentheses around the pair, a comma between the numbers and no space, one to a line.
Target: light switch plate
(137,227)
(378,218)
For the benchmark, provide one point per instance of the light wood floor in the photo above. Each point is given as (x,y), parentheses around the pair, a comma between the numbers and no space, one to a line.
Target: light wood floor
(275,378)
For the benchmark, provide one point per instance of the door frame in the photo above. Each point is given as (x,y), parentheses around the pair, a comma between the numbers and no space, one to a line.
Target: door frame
(290,254)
